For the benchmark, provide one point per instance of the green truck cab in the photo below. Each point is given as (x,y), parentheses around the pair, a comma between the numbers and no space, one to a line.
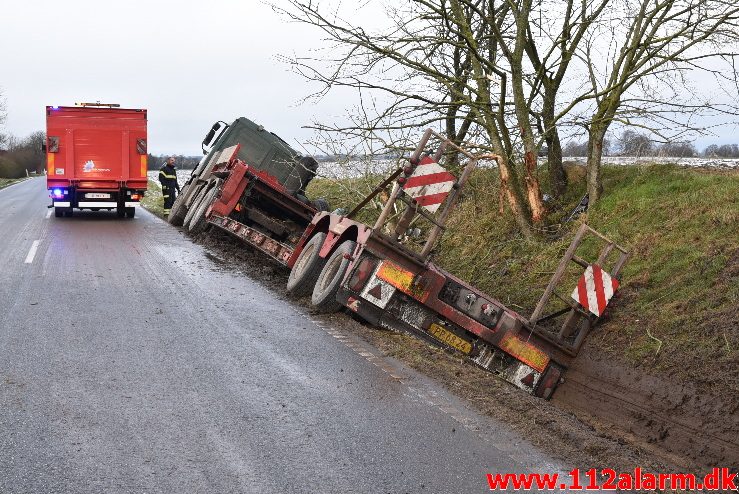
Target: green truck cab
(260,149)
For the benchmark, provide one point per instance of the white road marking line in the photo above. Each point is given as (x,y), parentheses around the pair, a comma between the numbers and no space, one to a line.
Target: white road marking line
(48,214)
(32,252)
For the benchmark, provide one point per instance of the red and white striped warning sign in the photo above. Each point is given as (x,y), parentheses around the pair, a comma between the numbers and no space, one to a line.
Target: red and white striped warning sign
(429,184)
(595,289)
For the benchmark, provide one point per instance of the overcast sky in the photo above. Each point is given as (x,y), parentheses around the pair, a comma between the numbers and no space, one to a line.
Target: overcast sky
(190,63)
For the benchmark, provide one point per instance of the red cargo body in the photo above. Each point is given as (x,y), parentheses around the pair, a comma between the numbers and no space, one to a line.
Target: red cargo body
(96,158)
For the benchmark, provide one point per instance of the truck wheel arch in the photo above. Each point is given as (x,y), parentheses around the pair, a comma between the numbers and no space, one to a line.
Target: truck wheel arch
(333,240)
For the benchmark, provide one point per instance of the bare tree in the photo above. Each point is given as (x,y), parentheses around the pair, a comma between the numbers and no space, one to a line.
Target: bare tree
(683,149)
(722,151)
(510,75)
(437,62)
(26,152)
(633,143)
(638,77)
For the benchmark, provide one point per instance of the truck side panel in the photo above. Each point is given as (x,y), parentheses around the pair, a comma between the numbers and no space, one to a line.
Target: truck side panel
(96,147)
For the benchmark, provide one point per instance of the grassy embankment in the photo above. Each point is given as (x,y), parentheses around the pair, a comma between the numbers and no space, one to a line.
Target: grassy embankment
(678,307)
(153,201)
(4,182)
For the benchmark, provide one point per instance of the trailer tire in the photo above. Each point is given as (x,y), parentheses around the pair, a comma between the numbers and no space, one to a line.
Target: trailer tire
(307,267)
(321,204)
(194,206)
(120,212)
(130,212)
(179,209)
(198,222)
(68,212)
(58,212)
(327,285)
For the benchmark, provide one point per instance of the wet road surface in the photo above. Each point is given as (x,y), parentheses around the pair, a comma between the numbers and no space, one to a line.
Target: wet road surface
(130,361)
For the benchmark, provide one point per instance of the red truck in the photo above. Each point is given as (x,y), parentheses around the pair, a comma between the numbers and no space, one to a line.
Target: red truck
(96,158)
(388,278)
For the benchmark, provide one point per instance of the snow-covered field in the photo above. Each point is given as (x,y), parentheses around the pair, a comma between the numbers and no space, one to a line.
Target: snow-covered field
(182,176)
(356,168)
(382,167)
(714,163)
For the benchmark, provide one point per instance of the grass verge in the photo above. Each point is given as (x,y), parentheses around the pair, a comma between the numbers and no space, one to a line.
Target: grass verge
(153,200)
(5,182)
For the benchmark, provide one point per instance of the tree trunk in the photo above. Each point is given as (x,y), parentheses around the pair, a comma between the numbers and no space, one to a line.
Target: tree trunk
(557,175)
(508,180)
(595,156)
(508,187)
(531,174)
(533,188)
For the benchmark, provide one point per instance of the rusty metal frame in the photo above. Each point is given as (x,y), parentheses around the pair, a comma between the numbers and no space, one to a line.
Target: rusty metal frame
(577,322)
(438,220)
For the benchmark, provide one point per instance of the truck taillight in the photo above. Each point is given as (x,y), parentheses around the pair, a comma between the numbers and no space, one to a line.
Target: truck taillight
(362,273)
(135,197)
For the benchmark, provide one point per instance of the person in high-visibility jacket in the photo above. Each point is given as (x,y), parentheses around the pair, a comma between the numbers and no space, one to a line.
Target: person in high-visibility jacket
(168,179)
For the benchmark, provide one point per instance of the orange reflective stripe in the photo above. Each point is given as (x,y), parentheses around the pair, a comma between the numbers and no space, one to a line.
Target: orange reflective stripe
(143,165)
(402,279)
(525,352)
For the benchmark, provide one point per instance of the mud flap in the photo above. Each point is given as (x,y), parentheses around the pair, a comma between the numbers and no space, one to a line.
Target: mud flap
(362,308)
(548,381)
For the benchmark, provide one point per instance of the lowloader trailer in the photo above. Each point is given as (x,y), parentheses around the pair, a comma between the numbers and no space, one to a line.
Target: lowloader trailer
(373,272)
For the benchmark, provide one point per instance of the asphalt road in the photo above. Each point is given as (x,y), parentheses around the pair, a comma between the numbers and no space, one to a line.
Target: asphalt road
(132,361)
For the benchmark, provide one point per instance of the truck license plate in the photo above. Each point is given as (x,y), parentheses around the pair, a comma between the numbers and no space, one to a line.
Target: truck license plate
(451,339)
(97,195)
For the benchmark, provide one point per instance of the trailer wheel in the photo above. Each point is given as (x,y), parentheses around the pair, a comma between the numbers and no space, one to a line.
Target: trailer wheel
(193,206)
(58,212)
(324,293)
(307,267)
(321,204)
(198,222)
(120,212)
(68,212)
(130,212)
(179,209)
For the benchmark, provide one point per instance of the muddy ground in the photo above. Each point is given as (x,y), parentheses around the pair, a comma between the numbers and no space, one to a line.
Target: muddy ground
(605,414)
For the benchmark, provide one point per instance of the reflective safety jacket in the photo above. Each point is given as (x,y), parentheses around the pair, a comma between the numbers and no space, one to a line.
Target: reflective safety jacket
(168,176)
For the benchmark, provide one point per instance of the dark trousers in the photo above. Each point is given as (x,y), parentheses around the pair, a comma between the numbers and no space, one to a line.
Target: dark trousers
(169,194)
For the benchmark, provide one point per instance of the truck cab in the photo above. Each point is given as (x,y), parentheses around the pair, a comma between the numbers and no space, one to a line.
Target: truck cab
(261,149)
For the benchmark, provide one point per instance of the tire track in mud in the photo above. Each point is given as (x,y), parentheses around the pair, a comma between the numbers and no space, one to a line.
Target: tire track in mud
(666,415)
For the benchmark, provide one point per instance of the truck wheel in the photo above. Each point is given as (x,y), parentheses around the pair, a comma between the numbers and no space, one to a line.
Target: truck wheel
(130,212)
(307,267)
(321,204)
(58,212)
(198,222)
(179,209)
(120,212)
(68,212)
(324,293)
(193,206)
